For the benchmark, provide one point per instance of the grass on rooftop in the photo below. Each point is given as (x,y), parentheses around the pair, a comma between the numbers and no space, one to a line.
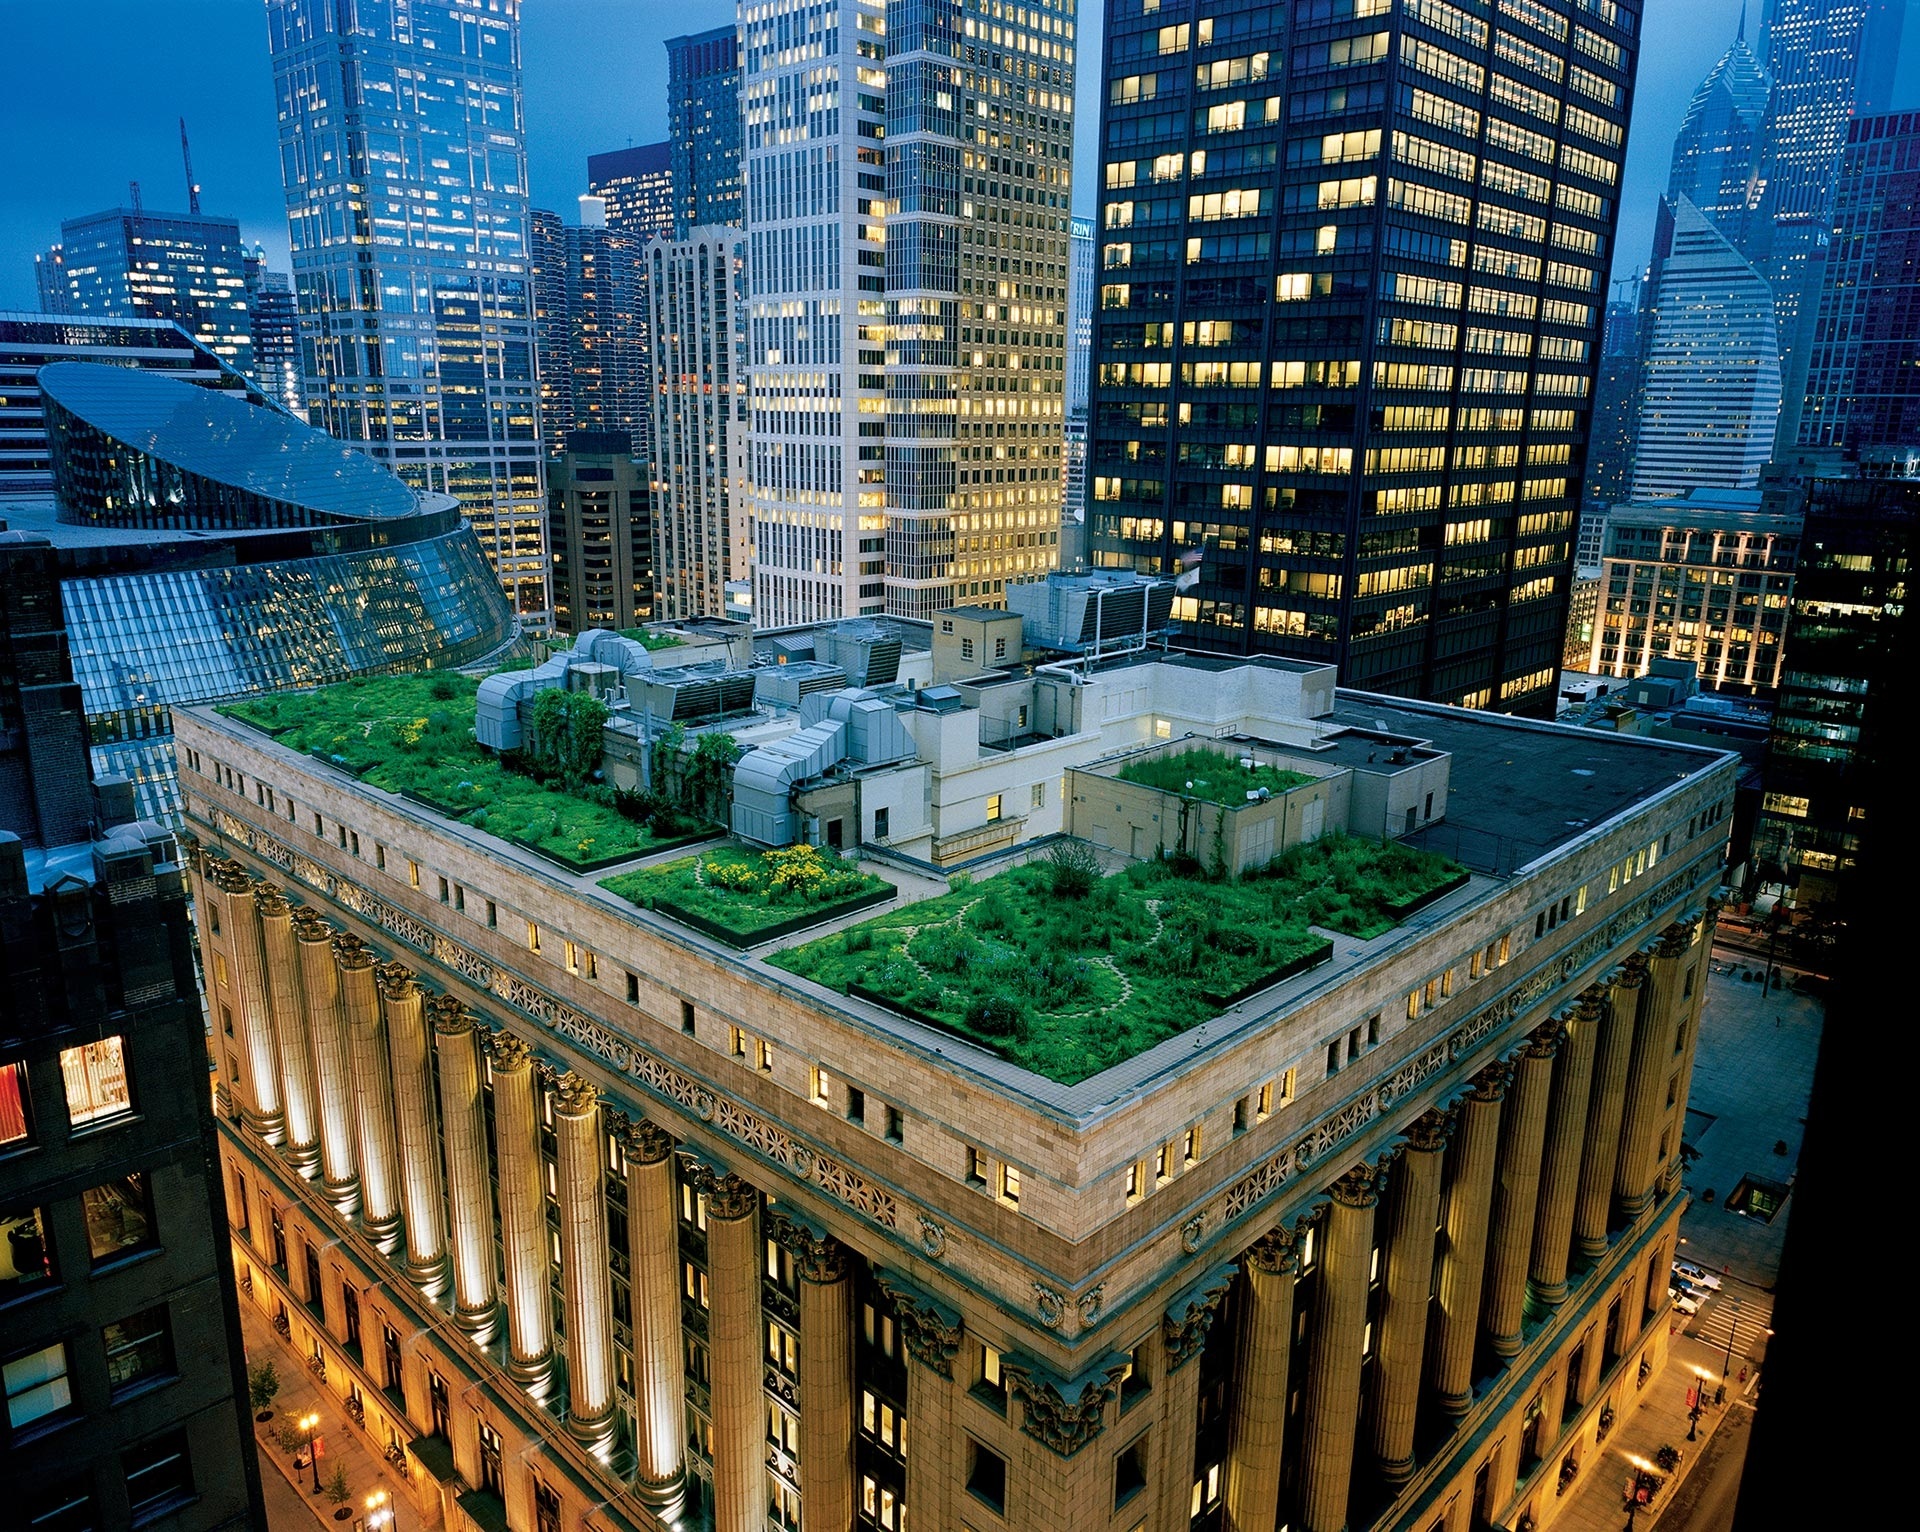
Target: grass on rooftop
(752,895)
(1069,974)
(1209,775)
(413,734)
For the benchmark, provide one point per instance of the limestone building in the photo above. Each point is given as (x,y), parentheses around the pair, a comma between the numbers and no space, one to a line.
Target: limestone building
(593,1220)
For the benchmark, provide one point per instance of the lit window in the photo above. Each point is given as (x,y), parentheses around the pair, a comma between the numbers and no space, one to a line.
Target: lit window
(1010,1186)
(822,1088)
(533,937)
(23,1251)
(1264,1108)
(139,1349)
(993,808)
(765,1052)
(1136,1173)
(119,1217)
(96,1079)
(13,1104)
(1190,1148)
(37,1386)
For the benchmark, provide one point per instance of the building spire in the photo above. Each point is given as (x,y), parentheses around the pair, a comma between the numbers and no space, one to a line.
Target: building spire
(1740,36)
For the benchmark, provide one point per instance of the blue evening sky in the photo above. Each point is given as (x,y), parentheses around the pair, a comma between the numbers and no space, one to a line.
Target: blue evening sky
(91,90)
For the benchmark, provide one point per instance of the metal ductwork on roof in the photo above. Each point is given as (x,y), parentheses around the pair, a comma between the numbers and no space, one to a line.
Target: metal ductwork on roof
(497,721)
(847,726)
(785,685)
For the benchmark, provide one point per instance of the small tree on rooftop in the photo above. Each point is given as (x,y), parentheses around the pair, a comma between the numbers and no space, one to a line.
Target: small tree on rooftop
(1073,868)
(566,734)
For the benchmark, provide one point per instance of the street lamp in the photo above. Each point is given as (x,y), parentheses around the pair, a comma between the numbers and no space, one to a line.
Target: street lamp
(378,1515)
(310,1423)
(1697,1402)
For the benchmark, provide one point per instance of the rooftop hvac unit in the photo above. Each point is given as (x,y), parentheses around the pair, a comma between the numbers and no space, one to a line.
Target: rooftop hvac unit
(784,685)
(694,693)
(868,654)
(1094,614)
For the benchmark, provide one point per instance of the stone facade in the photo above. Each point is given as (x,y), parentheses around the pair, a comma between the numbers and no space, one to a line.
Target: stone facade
(1199,1301)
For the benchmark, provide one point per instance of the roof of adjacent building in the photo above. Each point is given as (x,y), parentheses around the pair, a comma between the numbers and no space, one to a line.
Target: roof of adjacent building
(209,434)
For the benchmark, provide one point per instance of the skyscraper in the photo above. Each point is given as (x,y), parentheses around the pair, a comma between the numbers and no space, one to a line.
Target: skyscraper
(1718,151)
(591,313)
(1710,394)
(1346,340)
(697,292)
(1830,61)
(133,264)
(1080,285)
(600,531)
(637,186)
(1615,422)
(553,340)
(1862,388)
(703,126)
(411,268)
(273,322)
(125,1397)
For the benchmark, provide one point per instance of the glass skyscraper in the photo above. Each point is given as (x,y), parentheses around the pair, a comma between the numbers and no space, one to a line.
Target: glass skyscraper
(703,128)
(1863,391)
(128,263)
(1717,152)
(1352,262)
(637,186)
(273,320)
(591,305)
(401,142)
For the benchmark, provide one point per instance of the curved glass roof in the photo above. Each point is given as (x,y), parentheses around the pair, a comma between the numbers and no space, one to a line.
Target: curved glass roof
(208,433)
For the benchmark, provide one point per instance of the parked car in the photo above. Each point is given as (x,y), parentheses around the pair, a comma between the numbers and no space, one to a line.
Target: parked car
(1697,1275)
(1685,1300)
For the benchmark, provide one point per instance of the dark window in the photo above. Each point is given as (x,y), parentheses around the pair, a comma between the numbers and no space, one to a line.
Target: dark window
(987,1475)
(245,1203)
(896,1124)
(686,1016)
(836,834)
(350,1313)
(139,1350)
(316,1292)
(277,1238)
(390,1359)
(120,1218)
(493,915)
(1130,1473)
(856,1104)
(880,827)
(546,1509)
(442,1411)
(159,1475)
(66,1507)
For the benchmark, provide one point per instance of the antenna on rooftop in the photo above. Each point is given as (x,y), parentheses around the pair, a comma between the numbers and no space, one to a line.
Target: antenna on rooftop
(186,158)
(134,188)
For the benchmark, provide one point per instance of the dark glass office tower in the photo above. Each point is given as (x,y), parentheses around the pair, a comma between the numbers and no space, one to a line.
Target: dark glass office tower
(703,127)
(1862,388)
(637,186)
(125,1383)
(1353,263)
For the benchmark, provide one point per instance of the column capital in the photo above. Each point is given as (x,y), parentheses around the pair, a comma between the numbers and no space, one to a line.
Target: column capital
(647,1142)
(395,979)
(449,1013)
(730,1196)
(818,1255)
(576,1096)
(1675,940)
(1064,1417)
(309,925)
(350,952)
(1184,1326)
(1633,971)
(1277,1252)
(1491,1083)
(1592,1004)
(1547,1040)
(228,875)
(930,1329)
(271,899)
(1358,1187)
(511,1054)
(1430,1131)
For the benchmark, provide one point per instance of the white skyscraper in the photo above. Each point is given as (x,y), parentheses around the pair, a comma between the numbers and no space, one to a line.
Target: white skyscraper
(1712,392)
(908,175)
(696,291)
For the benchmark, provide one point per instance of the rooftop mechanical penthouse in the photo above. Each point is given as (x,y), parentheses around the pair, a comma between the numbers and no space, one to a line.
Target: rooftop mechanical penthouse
(606,1206)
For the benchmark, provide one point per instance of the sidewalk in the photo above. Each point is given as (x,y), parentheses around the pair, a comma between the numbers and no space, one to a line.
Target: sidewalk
(1654,1417)
(300,1393)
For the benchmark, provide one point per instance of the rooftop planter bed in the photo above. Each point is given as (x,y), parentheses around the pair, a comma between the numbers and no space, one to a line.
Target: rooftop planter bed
(744,897)
(1067,973)
(1209,775)
(413,735)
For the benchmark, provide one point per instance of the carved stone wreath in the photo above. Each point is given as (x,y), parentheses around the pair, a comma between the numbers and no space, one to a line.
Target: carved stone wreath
(1050,1306)
(1091,1304)
(933,1238)
(1192,1231)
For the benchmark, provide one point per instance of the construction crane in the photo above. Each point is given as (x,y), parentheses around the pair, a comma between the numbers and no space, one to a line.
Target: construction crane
(186,157)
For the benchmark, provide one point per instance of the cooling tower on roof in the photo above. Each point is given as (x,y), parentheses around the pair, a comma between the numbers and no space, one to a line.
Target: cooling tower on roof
(695,693)
(1091,614)
(850,726)
(785,685)
(868,654)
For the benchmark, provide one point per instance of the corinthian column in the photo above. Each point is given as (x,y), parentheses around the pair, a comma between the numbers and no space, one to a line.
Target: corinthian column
(1516,1191)
(659,1366)
(287,1007)
(463,1117)
(523,1215)
(1257,1421)
(585,1277)
(1463,1247)
(735,1340)
(262,1111)
(1402,1322)
(332,1060)
(1600,1148)
(372,1088)
(1560,1165)
(1647,1080)
(422,1195)
(1334,1353)
(826,1372)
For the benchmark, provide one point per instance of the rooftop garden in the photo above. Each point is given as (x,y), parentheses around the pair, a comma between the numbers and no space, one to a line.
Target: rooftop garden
(743,897)
(650,641)
(1209,775)
(413,735)
(1065,972)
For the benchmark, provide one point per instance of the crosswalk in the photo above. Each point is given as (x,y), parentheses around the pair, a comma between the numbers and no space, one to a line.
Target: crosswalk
(1739,1318)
